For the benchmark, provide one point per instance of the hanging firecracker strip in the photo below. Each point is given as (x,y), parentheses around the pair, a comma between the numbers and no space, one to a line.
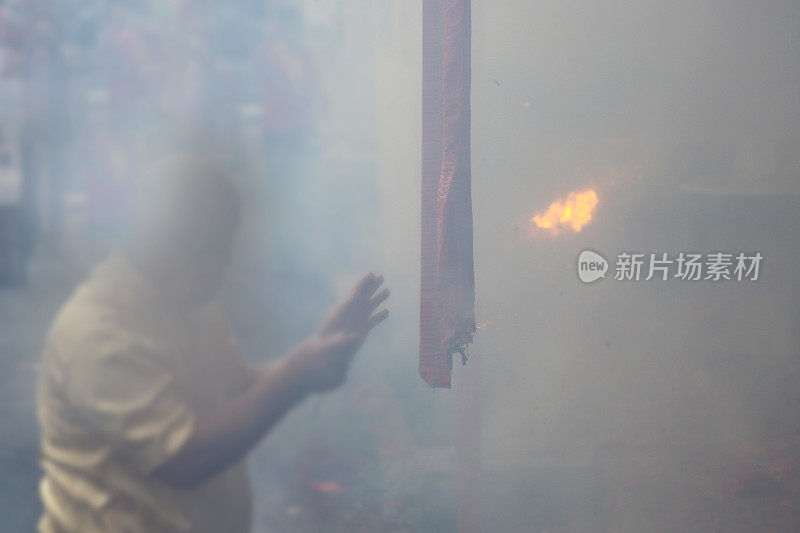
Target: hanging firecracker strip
(447,293)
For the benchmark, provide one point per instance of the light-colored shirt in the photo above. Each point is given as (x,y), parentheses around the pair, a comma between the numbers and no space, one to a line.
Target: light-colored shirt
(124,375)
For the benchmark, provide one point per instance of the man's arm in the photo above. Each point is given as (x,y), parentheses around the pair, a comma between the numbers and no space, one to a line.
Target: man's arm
(222,437)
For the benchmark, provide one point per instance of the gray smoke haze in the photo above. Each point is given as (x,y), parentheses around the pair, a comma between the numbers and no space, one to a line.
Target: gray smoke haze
(684,118)
(612,407)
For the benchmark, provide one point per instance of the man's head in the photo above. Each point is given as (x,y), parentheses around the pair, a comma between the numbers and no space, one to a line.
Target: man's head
(186,218)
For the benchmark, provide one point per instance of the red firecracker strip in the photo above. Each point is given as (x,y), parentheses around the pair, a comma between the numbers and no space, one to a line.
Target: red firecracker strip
(447,292)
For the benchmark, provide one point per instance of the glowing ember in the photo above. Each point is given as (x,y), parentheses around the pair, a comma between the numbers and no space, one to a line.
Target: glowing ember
(323,487)
(573,212)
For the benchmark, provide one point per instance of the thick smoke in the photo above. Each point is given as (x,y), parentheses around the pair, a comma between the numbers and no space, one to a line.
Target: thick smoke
(616,406)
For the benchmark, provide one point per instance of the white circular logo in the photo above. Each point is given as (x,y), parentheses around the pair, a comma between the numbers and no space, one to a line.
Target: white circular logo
(591,266)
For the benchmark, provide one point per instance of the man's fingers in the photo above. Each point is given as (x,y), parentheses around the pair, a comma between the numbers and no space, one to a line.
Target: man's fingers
(377,318)
(378,299)
(365,286)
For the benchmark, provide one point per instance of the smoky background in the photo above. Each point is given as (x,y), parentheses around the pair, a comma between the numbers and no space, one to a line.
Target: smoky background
(617,406)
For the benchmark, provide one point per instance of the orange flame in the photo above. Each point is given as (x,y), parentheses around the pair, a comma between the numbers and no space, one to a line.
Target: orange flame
(573,212)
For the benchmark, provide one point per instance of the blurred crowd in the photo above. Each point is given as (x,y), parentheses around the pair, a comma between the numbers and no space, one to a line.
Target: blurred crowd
(88,87)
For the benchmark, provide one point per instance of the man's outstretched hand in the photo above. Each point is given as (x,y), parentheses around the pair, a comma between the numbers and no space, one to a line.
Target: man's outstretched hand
(322,362)
(355,314)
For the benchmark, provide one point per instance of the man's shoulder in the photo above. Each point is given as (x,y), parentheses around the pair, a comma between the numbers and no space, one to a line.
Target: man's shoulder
(83,316)
(104,302)
(93,312)
(80,332)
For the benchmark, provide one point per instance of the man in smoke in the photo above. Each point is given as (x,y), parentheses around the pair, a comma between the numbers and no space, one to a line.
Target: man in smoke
(146,410)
